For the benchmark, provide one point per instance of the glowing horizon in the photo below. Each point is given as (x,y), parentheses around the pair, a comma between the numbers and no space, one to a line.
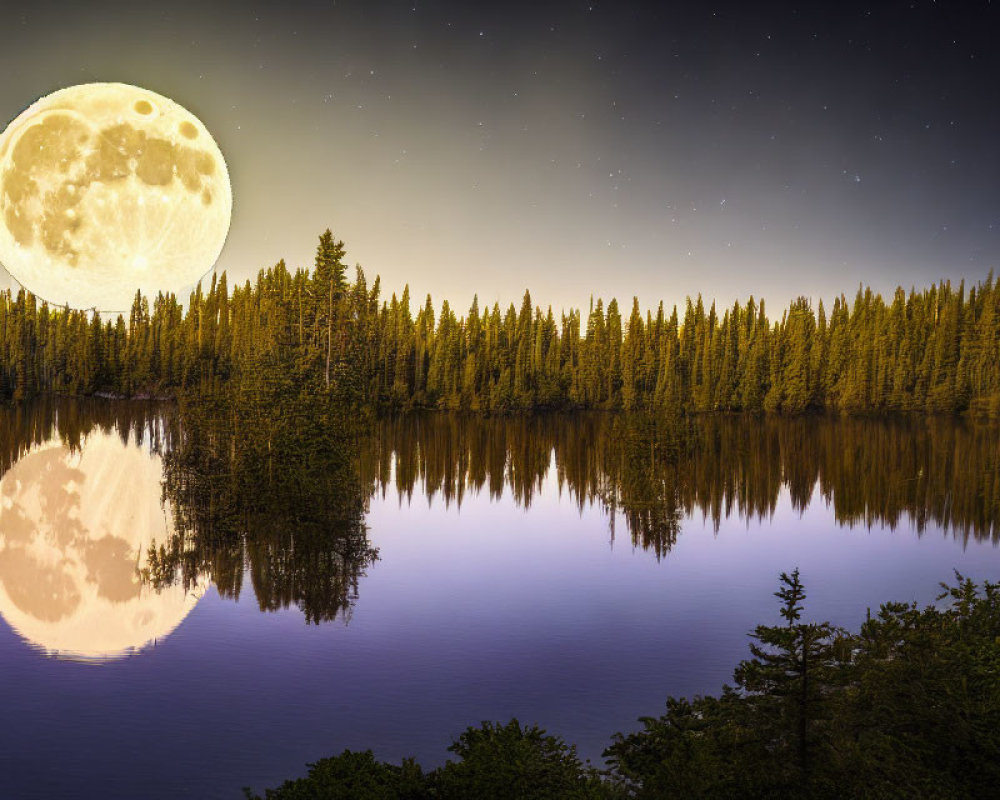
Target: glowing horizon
(576,149)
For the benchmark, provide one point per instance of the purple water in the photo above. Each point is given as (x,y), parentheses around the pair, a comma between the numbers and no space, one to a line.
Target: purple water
(486,611)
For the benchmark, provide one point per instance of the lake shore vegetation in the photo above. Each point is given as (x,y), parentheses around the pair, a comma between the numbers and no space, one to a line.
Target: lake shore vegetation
(906,707)
(934,350)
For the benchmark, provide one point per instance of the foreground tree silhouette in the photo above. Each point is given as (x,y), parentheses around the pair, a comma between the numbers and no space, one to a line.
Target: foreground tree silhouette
(788,683)
(495,762)
(352,776)
(511,762)
(907,708)
(921,714)
(758,739)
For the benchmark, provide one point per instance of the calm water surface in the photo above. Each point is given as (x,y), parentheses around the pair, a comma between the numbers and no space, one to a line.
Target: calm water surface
(569,571)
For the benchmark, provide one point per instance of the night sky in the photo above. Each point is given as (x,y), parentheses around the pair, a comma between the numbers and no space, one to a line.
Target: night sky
(574,148)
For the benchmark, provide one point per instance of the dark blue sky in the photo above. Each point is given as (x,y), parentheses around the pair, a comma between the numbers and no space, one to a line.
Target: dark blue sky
(574,148)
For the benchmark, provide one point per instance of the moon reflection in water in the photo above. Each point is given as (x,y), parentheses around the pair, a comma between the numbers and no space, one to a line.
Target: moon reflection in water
(75,527)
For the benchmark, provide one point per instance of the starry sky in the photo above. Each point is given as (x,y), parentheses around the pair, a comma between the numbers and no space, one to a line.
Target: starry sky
(576,148)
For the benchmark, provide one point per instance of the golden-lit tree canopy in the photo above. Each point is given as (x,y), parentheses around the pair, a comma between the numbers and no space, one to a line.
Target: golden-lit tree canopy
(935,350)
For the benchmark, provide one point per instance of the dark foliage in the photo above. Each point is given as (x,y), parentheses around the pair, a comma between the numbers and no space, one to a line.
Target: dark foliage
(353,776)
(511,762)
(909,707)
(495,762)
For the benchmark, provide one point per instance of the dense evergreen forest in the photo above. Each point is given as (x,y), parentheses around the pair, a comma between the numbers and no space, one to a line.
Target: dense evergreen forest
(936,350)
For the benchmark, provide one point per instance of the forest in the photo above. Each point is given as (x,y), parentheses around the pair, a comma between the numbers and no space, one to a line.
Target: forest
(934,350)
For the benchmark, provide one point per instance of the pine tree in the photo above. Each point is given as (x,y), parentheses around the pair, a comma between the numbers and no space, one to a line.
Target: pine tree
(789,676)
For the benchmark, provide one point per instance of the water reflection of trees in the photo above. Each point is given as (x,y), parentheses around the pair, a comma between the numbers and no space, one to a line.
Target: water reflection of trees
(923,471)
(24,426)
(268,489)
(277,490)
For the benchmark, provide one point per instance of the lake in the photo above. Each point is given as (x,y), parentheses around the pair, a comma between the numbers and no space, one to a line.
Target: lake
(195,602)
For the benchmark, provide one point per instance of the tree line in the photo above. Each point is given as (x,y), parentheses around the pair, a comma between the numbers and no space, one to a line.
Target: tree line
(935,350)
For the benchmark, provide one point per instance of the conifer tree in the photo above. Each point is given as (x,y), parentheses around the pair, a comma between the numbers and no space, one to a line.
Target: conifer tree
(789,677)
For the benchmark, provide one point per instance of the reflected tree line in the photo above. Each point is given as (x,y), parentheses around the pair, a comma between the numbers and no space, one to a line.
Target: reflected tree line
(264,485)
(655,472)
(265,490)
(268,490)
(26,426)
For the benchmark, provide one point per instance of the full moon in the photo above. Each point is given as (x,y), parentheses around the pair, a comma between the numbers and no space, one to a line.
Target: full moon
(75,531)
(106,189)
